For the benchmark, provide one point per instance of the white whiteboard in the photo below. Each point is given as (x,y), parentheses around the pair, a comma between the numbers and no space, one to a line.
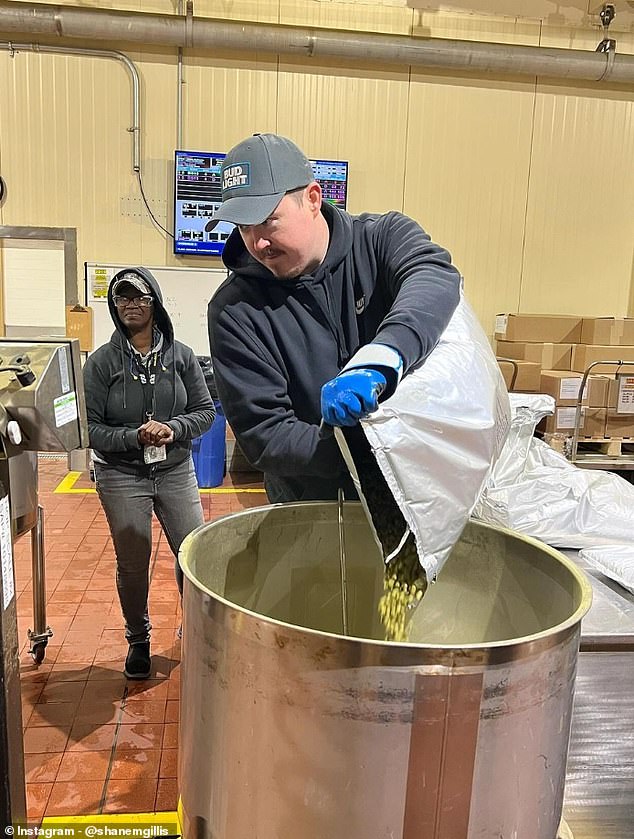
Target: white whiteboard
(186,293)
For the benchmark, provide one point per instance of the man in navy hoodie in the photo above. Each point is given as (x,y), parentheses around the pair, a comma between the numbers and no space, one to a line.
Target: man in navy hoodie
(322,314)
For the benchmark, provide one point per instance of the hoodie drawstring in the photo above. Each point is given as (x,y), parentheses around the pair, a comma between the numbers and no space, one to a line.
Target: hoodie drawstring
(123,373)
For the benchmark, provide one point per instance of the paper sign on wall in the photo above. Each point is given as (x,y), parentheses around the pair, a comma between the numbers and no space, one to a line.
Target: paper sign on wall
(98,281)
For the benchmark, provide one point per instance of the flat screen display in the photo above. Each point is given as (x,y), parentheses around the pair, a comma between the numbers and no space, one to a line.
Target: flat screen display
(332,176)
(197,195)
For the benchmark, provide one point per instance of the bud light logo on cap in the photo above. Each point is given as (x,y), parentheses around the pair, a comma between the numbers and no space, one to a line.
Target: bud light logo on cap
(236,175)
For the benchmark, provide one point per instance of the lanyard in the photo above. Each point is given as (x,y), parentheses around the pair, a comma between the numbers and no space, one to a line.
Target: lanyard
(146,374)
(149,413)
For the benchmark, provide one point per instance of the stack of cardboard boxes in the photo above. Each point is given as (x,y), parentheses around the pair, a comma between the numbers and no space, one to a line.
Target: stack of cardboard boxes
(552,352)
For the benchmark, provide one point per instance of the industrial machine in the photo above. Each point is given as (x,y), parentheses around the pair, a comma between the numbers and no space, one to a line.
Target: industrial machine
(42,408)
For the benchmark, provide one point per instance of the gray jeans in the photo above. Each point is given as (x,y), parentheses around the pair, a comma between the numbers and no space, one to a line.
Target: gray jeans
(128,502)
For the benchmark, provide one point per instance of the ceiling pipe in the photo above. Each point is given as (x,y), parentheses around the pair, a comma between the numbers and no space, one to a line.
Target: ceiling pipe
(135,129)
(206,33)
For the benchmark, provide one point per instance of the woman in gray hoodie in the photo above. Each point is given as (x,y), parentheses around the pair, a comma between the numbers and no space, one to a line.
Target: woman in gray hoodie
(146,399)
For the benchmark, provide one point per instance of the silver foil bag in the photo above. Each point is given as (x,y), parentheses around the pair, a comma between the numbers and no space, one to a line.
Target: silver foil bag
(437,438)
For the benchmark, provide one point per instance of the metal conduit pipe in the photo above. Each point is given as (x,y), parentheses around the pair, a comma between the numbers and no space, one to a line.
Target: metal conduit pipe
(207,33)
(179,90)
(135,129)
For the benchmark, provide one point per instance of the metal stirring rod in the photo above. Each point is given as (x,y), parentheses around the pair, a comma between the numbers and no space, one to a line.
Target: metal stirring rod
(342,563)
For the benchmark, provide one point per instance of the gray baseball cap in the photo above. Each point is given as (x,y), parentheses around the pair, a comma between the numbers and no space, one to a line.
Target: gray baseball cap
(256,174)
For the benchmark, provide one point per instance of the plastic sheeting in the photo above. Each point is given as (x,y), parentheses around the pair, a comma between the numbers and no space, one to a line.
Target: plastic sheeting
(438,436)
(615,561)
(536,491)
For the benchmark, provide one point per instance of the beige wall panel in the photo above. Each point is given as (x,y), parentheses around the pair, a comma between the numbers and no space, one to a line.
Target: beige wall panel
(243,9)
(353,115)
(66,149)
(580,218)
(572,12)
(586,38)
(158,119)
(470,27)
(468,155)
(228,98)
(484,9)
(265,11)
(161,6)
(366,16)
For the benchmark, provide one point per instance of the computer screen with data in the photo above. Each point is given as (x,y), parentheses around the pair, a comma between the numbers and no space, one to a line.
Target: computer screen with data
(197,195)
(332,176)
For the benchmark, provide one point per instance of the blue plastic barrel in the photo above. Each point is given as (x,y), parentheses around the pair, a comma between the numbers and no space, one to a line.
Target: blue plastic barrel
(209,452)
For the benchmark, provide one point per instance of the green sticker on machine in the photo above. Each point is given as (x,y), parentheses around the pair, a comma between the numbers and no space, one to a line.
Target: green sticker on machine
(65,408)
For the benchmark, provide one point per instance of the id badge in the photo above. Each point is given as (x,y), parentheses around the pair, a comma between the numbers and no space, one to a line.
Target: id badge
(154,454)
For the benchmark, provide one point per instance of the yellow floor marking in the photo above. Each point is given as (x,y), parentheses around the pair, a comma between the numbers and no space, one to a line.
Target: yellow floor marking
(67,487)
(67,484)
(123,825)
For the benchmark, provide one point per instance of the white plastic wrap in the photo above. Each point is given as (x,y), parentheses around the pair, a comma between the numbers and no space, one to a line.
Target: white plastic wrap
(615,561)
(535,490)
(437,437)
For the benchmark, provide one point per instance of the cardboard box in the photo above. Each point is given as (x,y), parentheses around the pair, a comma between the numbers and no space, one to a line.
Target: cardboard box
(79,325)
(563,386)
(619,425)
(549,356)
(592,422)
(553,329)
(621,394)
(607,331)
(583,355)
(528,375)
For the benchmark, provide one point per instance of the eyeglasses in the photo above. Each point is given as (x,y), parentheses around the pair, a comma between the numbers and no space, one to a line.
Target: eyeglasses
(144,300)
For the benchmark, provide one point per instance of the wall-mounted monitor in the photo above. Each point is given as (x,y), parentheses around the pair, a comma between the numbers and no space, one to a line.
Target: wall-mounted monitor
(332,176)
(197,195)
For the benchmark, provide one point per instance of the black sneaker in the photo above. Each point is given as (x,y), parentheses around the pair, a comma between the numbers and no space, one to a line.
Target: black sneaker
(138,664)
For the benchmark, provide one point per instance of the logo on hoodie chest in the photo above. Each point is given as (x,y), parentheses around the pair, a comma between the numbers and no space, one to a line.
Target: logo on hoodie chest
(359,305)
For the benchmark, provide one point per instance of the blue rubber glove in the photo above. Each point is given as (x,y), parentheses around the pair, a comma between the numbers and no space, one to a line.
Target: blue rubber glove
(351,395)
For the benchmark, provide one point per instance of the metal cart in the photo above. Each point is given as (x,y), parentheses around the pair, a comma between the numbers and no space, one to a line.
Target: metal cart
(592,459)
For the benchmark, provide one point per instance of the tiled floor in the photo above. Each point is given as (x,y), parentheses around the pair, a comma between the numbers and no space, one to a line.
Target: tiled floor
(95,742)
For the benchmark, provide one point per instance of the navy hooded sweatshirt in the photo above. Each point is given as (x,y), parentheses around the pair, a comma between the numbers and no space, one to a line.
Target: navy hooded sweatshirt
(276,342)
(117,401)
